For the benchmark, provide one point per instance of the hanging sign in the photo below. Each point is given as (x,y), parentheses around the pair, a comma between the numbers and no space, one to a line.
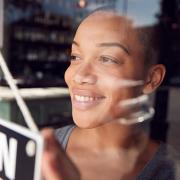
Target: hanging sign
(20,152)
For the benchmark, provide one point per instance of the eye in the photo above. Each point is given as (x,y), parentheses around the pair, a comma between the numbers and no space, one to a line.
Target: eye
(74,58)
(110,60)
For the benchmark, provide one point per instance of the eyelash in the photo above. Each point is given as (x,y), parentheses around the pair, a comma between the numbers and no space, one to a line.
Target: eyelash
(106,59)
(73,58)
(103,59)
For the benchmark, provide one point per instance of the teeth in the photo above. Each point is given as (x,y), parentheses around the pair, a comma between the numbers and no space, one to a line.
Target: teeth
(86,98)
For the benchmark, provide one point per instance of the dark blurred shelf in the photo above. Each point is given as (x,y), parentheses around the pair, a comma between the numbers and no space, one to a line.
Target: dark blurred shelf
(41,25)
(25,3)
(40,44)
(44,44)
(40,62)
(60,122)
(38,83)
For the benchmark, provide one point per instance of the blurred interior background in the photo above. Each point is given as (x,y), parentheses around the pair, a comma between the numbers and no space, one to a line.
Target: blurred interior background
(35,38)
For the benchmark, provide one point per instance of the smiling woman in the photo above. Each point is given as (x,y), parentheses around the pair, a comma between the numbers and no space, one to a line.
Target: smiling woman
(110,52)
(108,68)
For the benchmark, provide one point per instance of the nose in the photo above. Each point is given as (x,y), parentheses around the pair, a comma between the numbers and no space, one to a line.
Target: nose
(85,75)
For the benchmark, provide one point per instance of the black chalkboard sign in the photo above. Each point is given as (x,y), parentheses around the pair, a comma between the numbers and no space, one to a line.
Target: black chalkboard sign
(20,152)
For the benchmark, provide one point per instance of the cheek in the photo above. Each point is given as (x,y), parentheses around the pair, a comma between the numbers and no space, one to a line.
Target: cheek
(68,76)
(113,108)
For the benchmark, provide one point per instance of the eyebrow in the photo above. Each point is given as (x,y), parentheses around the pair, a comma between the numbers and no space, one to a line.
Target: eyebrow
(75,43)
(115,44)
(111,44)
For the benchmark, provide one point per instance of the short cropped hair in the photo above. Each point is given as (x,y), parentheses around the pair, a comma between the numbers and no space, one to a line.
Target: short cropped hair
(150,39)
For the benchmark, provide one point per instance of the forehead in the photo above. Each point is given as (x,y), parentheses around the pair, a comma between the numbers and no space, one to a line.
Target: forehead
(100,28)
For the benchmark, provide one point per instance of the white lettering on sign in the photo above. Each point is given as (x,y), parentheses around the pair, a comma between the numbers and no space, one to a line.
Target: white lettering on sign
(8,155)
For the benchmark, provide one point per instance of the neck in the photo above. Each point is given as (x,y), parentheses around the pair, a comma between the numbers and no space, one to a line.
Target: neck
(116,136)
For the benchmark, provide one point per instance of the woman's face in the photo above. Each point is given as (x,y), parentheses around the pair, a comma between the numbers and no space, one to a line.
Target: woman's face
(104,51)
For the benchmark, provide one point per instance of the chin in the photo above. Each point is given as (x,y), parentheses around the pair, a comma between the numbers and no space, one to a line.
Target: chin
(87,122)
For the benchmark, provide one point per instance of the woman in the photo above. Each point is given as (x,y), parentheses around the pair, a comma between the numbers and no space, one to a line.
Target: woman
(106,50)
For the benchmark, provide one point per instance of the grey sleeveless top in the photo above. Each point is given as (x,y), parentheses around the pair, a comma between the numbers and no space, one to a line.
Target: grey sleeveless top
(63,134)
(165,165)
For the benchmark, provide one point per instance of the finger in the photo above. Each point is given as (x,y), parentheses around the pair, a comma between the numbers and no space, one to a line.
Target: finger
(50,160)
(56,164)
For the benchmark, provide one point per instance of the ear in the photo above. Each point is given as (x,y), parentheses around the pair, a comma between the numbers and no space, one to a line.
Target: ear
(154,78)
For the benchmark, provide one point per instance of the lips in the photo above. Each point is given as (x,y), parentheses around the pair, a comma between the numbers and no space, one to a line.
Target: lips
(85,99)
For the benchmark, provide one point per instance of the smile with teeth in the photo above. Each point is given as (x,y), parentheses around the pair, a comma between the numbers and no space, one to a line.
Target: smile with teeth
(85,99)
(80,98)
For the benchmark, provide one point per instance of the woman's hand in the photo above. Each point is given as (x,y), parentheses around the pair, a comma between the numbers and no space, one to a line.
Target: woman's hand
(55,164)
